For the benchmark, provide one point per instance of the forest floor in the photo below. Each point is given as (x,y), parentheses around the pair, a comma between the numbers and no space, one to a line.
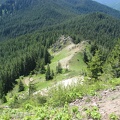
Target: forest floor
(107,101)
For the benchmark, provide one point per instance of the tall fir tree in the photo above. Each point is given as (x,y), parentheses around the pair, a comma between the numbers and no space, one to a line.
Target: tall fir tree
(95,65)
(46,56)
(21,86)
(4,100)
(59,68)
(48,75)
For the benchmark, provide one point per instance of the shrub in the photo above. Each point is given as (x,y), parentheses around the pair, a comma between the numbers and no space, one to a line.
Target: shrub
(93,113)
(4,100)
(112,116)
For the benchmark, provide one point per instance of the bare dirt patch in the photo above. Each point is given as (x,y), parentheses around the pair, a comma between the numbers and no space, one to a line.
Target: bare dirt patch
(63,83)
(107,101)
(66,44)
(28,80)
(71,49)
(71,81)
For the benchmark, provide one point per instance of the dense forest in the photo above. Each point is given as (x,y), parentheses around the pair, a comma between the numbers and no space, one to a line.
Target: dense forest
(16,14)
(22,55)
(24,50)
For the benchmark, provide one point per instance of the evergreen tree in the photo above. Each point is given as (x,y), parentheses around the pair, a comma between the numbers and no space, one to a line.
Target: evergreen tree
(46,56)
(52,74)
(95,65)
(48,73)
(42,67)
(31,88)
(87,55)
(1,89)
(116,62)
(4,100)
(59,68)
(113,61)
(21,86)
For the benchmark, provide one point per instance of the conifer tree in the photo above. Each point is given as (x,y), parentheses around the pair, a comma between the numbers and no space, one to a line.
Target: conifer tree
(114,60)
(21,86)
(95,65)
(4,100)
(46,56)
(1,89)
(48,73)
(52,74)
(42,67)
(59,68)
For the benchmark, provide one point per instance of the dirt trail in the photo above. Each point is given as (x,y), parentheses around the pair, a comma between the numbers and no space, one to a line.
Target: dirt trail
(71,49)
(107,101)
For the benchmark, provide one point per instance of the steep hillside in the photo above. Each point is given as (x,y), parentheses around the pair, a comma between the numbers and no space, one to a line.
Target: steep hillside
(21,22)
(72,98)
(29,52)
(95,26)
(56,52)
(80,6)
(16,14)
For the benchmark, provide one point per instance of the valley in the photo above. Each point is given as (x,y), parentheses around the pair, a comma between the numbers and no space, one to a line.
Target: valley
(59,60)
(83,99)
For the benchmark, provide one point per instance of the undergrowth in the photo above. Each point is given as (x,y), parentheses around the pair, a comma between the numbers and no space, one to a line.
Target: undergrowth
(55,105)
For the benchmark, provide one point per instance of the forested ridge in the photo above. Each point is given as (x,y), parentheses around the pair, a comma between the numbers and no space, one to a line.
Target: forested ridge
(20,56)
(29,52)
(24,50)
(19,17)
(95,26)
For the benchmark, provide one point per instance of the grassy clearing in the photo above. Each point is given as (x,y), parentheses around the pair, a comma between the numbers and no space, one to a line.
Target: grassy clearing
(76,68)
(44,84)
(62,54)
(77,64)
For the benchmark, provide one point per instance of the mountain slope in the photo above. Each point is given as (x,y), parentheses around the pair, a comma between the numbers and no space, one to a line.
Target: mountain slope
(29,52)
(81,6)
(111,3)
(21,17)
(88,46)
(94,26)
